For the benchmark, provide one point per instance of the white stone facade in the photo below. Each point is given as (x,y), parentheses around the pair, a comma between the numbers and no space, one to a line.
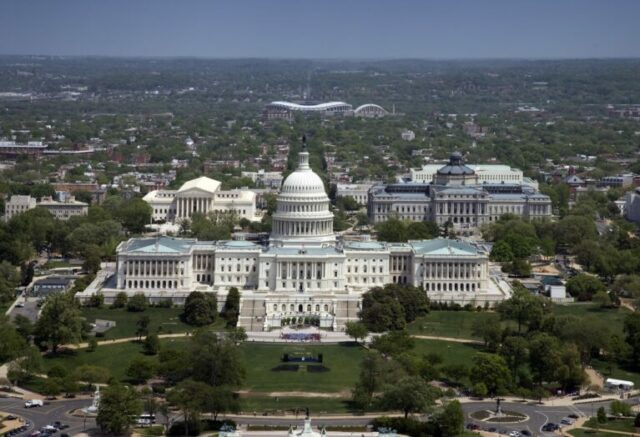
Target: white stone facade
(18,204)
(304,272)
(202,195)
(360,192)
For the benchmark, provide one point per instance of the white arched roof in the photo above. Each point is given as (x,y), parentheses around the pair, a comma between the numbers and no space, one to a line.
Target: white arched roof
(327,106)
(369,107)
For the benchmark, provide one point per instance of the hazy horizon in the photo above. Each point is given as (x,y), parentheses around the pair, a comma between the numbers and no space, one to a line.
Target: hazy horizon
(329,30)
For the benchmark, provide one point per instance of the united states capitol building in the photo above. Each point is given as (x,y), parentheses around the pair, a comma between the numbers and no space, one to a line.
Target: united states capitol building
(462,195)
(305,271)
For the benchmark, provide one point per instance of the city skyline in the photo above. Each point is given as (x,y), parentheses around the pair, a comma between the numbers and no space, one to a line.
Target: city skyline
(331,29)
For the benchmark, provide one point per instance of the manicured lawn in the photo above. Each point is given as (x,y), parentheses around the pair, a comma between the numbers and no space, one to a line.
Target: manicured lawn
(451,353)
(342,362)
(624,425)
(164,320)
(613,317)
(456,324)
(582,432)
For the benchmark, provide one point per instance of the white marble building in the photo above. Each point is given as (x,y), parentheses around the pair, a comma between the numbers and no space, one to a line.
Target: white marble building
(200,195)
(304,271)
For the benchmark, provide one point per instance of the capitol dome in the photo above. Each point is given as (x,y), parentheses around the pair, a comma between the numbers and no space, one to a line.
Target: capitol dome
(302,216)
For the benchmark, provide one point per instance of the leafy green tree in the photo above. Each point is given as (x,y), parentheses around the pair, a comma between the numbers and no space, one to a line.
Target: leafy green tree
(237,335)
(12,343)
(393,343)
(489,329)
(492,371)
(222,400)
(522,307)
(544,357)
(514,350)
(92,374)
(480,389)
(151,345)
(137,303)
(602,415)
(218,362)
(60,321)
(393,231)
(92,260)
(191,398)
(632,337)
(142,326)
(231,309)
(409,395)
(356,330)
(619,408)
(573,229)
(451,419)
(52,387)
(134,214)
(119,407)
(200,309)
(29,363)
(583,286)
(9,280)
(92,344)
(140,370)
(501,252)
(120,301)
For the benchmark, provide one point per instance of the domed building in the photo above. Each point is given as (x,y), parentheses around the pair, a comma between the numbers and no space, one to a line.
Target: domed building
(302,216)
(305,275)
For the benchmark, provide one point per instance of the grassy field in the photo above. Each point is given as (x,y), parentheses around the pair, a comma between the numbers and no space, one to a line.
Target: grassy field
(582,432)
(624,425)
(459,324)
(452,353)
(164,320)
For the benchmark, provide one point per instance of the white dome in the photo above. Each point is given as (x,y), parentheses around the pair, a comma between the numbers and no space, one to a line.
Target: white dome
(303,216)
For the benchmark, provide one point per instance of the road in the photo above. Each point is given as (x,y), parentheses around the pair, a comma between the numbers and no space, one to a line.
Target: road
(538,415)
(29,310)
(49,413)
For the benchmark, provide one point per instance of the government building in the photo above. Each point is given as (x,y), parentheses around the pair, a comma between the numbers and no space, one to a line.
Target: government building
(202,195)
(464,196)
(304,271)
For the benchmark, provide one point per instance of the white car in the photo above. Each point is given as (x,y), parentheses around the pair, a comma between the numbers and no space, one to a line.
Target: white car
(20,305)
(33,403)
(514,434)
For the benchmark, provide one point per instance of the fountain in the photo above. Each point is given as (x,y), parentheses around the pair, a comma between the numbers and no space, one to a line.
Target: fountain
(307,430)
(93,408)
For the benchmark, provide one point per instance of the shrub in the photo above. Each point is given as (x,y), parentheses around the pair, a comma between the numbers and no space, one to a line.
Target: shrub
(137,303)
(120,300)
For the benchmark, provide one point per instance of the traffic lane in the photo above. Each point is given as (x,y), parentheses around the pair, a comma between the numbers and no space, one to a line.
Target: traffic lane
(284,421)
(29,309)
(49,413)
(538,415)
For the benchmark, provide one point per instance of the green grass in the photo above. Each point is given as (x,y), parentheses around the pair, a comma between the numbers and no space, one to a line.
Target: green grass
(165,320)
(624,425)
(614,318)
(342,360)
(582,432)
(455,324)
(451,353)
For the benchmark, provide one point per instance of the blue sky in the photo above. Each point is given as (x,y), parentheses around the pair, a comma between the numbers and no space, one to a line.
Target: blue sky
(322,29)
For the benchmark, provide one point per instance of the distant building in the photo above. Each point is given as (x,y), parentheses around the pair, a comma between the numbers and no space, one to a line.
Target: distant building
(18,204)
(63,210)
(408,135)
(632,206)
(370,110)
(624,111)
(487,174)
(269,179)
(11,149)
(51,284)
(285,110)
(622,180)
(456,196)
(360,192)
(200,195)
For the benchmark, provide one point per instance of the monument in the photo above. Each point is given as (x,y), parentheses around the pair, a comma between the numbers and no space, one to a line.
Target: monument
(93,408)
(307,430)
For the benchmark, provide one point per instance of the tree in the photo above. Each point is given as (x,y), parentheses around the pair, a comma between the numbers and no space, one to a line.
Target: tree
(619,408)
(232,307)
(216,361)
(451,419)
(489,330)
(199,309)
(603,299)
(544,357)
(222,400)
(392,306)
(140,370)
(480,389)
(119,407)
(393,343)
(632,336)
(92,374)
(492,371)
(237,335)
(142,326)
(356,330)
(583,286)
(501,252)
(12,343)
(515,352)
(151,345)
(523,307)
(120,300)
(134,214)
(191,398)
(410,395)
(52,387)
(60,321)
(137,303)
(602,415)
(92,344)
(92,259)
(9,280)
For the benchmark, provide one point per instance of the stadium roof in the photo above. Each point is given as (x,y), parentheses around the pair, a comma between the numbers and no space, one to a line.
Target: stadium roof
(318,107)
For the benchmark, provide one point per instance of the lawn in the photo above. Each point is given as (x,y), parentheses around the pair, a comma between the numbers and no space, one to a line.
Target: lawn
(164,320)
(451,353)
(342,361)
(583,432)
(456,324)
(613,317)
(624,425)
